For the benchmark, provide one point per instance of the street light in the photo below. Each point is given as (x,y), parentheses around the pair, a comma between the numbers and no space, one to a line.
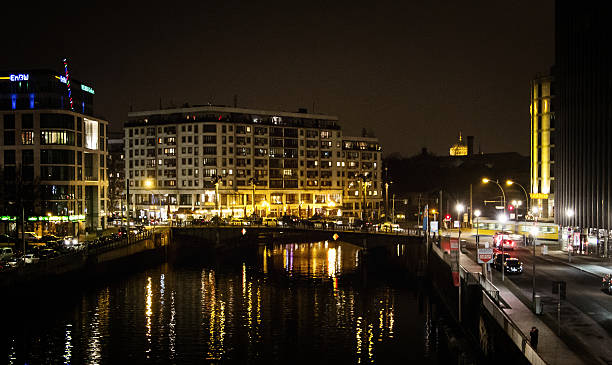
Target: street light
(534,234)
(149,184)
(511,182)
(486,181)
(216,179)
(253,181)
(459,207)
(364,181)
(477,214)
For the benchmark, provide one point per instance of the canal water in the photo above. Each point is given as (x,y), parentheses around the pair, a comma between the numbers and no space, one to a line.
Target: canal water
(320,302)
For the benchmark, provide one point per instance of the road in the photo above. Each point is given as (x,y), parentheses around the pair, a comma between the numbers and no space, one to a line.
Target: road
(586,313)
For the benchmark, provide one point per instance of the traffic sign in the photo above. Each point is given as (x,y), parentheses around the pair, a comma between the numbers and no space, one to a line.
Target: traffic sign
(485,255)
(434,226)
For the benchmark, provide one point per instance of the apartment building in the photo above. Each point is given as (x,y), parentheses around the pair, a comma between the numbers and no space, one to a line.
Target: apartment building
(208,160)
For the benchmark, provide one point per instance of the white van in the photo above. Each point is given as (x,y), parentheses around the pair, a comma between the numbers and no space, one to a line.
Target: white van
(5,252)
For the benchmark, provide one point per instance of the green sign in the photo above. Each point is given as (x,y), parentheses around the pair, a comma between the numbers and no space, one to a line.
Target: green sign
(87,88)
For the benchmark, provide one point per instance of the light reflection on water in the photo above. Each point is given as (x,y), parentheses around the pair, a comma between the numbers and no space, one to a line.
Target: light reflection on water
(292,301)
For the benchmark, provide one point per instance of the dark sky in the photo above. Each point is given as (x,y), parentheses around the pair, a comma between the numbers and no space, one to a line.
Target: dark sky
(415,73)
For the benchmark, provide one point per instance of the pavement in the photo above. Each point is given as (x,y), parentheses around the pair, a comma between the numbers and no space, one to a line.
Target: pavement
(550,346)
(593,265)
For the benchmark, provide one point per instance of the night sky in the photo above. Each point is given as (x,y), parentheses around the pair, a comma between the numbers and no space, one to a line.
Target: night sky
(415,74)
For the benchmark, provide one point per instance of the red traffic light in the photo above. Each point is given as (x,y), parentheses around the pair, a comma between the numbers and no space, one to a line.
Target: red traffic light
(447,217)
(510,207)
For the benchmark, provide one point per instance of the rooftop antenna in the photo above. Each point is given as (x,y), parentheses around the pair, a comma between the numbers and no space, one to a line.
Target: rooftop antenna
(235,100)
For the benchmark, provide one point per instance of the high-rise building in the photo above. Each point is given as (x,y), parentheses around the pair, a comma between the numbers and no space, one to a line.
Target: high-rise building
(583,113)
(116,176)
(54,145)
(202,161)
(542,147)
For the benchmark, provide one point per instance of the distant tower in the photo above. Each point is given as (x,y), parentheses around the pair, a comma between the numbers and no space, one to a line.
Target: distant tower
(459,148)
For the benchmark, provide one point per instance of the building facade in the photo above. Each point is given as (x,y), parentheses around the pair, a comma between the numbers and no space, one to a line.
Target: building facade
(116,177)
(583,113)
(53,142)
(209,160)
(542,147)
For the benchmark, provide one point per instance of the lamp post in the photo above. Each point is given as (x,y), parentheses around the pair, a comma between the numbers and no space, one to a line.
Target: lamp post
(216,179)
(502,218)
(534,233)
(477,214)
(253,181)
(364,182)
(149,184)
(486,181)
(459,207)
(511,182)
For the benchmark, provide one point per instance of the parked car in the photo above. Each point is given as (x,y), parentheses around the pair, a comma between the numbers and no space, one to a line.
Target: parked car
(238,222)
(49,238)
(513,266)
(30,237)
(499,260)
(47,253)
(287,221)
(5,252)
(70,241)
(269,221)
(389,227)
(30,258)
(14,261)
(606,283)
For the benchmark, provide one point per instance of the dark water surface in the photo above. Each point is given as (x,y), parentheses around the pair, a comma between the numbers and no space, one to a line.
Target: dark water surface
(290,303)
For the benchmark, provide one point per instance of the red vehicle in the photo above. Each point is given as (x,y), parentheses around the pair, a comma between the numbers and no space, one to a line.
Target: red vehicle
(503,239)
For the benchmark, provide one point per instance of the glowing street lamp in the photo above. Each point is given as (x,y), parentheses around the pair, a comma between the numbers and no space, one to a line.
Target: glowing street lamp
(459,207)
(486,181)
(477,214)
(512,182)
(150,184)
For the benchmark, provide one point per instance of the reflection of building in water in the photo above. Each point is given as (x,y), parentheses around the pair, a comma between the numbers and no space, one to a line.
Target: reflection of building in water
(319,259)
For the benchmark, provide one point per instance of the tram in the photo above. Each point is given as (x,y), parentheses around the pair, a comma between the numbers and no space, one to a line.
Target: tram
(545,231)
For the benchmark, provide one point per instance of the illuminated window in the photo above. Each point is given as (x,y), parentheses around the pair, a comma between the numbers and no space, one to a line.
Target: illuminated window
(287,172)
(276,199)
(91,134)
(57,137)
(27,137)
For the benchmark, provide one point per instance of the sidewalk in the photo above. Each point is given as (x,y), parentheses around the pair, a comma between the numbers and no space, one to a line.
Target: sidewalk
(593,265)
(550,347)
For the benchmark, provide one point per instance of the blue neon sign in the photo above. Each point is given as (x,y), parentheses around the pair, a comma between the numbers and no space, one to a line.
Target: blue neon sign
(19,77)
